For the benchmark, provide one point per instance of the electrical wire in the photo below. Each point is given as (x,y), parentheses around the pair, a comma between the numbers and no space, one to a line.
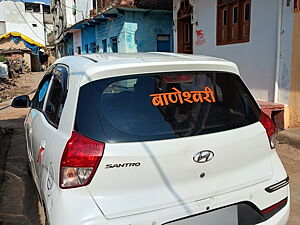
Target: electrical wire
(35,16)
(27,22)
(82,12)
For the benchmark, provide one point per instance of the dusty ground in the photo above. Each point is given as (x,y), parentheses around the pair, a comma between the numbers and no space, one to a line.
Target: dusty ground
(18,196)
(290,157)
(21,85)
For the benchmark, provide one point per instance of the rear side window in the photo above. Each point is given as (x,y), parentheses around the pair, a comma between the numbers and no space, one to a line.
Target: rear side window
(57,95)
(39,98)
(53,105)
(163,106)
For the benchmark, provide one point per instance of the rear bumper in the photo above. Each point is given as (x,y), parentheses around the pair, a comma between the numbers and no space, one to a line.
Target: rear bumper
(280,218)
(82,210)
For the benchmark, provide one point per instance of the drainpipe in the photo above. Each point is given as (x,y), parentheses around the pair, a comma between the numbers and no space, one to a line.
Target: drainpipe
(278,55)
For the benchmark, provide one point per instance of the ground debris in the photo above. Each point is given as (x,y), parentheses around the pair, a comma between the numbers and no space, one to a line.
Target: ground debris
(6,84)
(6,131)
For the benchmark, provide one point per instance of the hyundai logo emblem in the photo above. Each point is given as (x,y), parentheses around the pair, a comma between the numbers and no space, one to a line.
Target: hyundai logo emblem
(203,156)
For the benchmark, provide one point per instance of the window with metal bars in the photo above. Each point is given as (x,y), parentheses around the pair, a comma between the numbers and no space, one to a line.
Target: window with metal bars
(233,21)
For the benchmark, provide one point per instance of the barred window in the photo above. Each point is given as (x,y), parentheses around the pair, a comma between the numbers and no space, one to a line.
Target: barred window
(233,21)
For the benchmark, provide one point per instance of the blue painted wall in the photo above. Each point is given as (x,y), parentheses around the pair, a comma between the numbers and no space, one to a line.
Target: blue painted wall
(110,29)
(136,31)
(88,36)
(142,29)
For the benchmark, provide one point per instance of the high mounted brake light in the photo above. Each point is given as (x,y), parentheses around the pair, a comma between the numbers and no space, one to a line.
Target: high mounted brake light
(80,161)
(177,79)
(269,125)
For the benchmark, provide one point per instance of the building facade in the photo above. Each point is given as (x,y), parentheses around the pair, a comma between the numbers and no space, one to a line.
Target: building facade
(116,26)
(255,34)
(31,19)
(65,14)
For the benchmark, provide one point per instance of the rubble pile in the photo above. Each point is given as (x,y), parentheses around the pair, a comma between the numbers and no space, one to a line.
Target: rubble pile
(5,85)
(13,68)
(17,66)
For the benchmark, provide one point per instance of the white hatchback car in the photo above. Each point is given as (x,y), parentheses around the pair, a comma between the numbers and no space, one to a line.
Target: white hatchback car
(152,139)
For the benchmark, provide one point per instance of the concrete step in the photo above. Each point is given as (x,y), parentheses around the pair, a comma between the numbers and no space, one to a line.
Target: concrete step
(290,136)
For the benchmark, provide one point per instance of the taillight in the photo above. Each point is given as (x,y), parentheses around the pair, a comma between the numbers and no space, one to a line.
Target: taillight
(79,161)
(269,125)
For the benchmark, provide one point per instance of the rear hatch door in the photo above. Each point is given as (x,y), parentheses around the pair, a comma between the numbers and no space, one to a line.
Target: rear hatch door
(171,139)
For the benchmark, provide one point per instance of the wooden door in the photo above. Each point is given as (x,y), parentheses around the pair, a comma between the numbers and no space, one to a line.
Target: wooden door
(185,35)
(185,28)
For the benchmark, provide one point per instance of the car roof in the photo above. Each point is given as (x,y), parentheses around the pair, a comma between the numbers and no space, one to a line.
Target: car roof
(96,66)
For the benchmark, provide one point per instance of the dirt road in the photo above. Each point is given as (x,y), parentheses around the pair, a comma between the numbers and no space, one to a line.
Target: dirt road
(18,86)
(291,159)
(18,196)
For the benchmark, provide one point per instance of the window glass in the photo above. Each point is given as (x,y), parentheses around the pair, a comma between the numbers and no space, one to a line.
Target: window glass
(53,105)
(235,15)
(233,21)
(42,92)
(247,12)
(162,106)
(225,17)
(38,99)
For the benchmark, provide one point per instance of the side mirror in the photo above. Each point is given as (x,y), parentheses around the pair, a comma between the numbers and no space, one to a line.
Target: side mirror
(22,101)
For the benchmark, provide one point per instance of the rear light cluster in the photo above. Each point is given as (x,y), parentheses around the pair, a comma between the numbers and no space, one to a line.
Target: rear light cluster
(80,161)
(269,125)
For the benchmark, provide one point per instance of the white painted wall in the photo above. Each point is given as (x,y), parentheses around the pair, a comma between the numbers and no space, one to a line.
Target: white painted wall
(257,58)
(77,40)
(2,19)
(285,66)
(2,28)
(83,10)
(68,15)
(15,22)
(2,11)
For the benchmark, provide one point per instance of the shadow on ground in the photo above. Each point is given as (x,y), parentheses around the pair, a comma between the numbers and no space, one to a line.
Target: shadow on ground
(18,195)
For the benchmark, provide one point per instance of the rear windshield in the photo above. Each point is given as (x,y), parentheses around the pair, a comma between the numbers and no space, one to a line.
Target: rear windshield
(163,106)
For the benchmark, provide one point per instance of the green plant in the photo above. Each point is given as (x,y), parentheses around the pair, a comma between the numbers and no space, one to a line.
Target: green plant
(3,58)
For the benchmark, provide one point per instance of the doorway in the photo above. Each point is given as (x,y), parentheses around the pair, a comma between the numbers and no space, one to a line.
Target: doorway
(185,28)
